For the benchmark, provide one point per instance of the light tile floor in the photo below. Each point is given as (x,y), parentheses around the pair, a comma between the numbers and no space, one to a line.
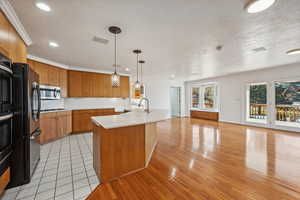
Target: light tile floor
(65,172)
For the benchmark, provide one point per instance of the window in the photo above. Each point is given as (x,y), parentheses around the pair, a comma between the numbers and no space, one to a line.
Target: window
(204,97)
(287,103)
(195,97)
(257,102)
(209,97)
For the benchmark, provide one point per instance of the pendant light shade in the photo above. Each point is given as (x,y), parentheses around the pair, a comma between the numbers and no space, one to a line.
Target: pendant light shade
(137,84)
(115,80)
(115,77)
(142,86)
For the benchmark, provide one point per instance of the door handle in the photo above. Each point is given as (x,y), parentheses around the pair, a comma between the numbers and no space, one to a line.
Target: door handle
(35,134)
(6,69)
(5,117)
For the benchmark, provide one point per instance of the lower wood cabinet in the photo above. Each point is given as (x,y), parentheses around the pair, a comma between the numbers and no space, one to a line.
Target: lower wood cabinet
(81,119)
(55,125)
(4,180)
(205,115)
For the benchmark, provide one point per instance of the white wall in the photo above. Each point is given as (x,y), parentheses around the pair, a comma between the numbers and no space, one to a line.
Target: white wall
(232,90)
(158,92)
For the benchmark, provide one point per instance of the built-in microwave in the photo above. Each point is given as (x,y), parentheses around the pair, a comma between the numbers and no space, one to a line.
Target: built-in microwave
(50,92)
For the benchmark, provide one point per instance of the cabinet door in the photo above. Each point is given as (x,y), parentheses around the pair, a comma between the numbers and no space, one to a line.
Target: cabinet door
(125,87)
(48,127)
(63,82)
(107,86)
(74,84)
(87,84)
(4,39)
(80,123)
(61,126)
(53,76)
(69,124)
(42,70)
(98,85)
(31,64)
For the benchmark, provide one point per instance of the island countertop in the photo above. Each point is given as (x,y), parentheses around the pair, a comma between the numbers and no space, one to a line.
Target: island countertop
(132,118)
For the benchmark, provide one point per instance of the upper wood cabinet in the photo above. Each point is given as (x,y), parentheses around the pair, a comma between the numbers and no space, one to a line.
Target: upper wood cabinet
(88,84)
(125,86)
(50,75)
(74,84)
(11,44)
(63,82)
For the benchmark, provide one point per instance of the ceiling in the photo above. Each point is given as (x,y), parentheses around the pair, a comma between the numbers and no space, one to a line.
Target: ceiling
(177,36)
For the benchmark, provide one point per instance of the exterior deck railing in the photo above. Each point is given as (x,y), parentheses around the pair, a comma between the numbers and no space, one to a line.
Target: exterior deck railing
(288,113)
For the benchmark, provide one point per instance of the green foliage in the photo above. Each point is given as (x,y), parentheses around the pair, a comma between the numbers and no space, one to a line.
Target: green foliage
(287,93)
(258,94)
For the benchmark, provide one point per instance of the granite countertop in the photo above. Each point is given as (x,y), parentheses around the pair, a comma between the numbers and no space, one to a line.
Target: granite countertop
(59,110)
(132,118)
(65,109)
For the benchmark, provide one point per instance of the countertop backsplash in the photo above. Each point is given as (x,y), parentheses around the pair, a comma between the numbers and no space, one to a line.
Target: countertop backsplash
(52,104)
(93,103)
(87,103)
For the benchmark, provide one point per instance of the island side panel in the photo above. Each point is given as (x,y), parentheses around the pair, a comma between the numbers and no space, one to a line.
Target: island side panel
(96,149)
(151,138)
(122,151)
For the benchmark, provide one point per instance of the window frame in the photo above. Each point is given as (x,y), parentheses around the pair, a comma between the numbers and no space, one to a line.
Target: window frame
(247,113)
(201,87)
(275,122)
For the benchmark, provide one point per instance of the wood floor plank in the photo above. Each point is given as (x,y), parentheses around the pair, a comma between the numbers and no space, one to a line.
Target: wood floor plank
(198,159)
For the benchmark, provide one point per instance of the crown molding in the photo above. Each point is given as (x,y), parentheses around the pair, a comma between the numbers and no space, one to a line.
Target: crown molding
(46,61)
(15,21)
(56,64)
(77,68)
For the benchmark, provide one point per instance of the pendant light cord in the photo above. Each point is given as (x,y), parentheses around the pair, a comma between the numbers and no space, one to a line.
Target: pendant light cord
(115,53)
(141,72)
(137,67)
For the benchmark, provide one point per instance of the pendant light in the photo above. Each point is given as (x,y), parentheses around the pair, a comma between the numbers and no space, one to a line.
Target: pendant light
(142,84)
(137,84)
(115,77)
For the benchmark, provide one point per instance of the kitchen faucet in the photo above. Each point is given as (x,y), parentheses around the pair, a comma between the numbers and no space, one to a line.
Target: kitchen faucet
(147,109)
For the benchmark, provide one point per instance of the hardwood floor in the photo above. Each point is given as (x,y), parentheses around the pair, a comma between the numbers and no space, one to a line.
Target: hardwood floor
(198,159)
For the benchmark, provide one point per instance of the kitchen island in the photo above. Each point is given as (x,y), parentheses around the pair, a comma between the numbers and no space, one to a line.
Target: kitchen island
(123,144)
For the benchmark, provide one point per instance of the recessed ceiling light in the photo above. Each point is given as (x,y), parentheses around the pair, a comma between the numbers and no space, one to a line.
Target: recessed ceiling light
(172,76)
(293,52)
(256,6)
(43,5)
(53,44)
(127,69)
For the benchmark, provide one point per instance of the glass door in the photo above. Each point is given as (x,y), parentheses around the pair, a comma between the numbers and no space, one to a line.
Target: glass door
(195,97)
(257,108)
(287,103)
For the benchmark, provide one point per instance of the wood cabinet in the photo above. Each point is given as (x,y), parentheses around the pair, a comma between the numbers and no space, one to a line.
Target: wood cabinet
(50,75)
(74,84)
(55,125)
(81,119)
(4,180)
(88,84)
(11,44)
(63,82)
(205,115)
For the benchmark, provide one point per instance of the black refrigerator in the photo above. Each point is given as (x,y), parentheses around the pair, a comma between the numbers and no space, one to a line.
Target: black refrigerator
(26,125)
